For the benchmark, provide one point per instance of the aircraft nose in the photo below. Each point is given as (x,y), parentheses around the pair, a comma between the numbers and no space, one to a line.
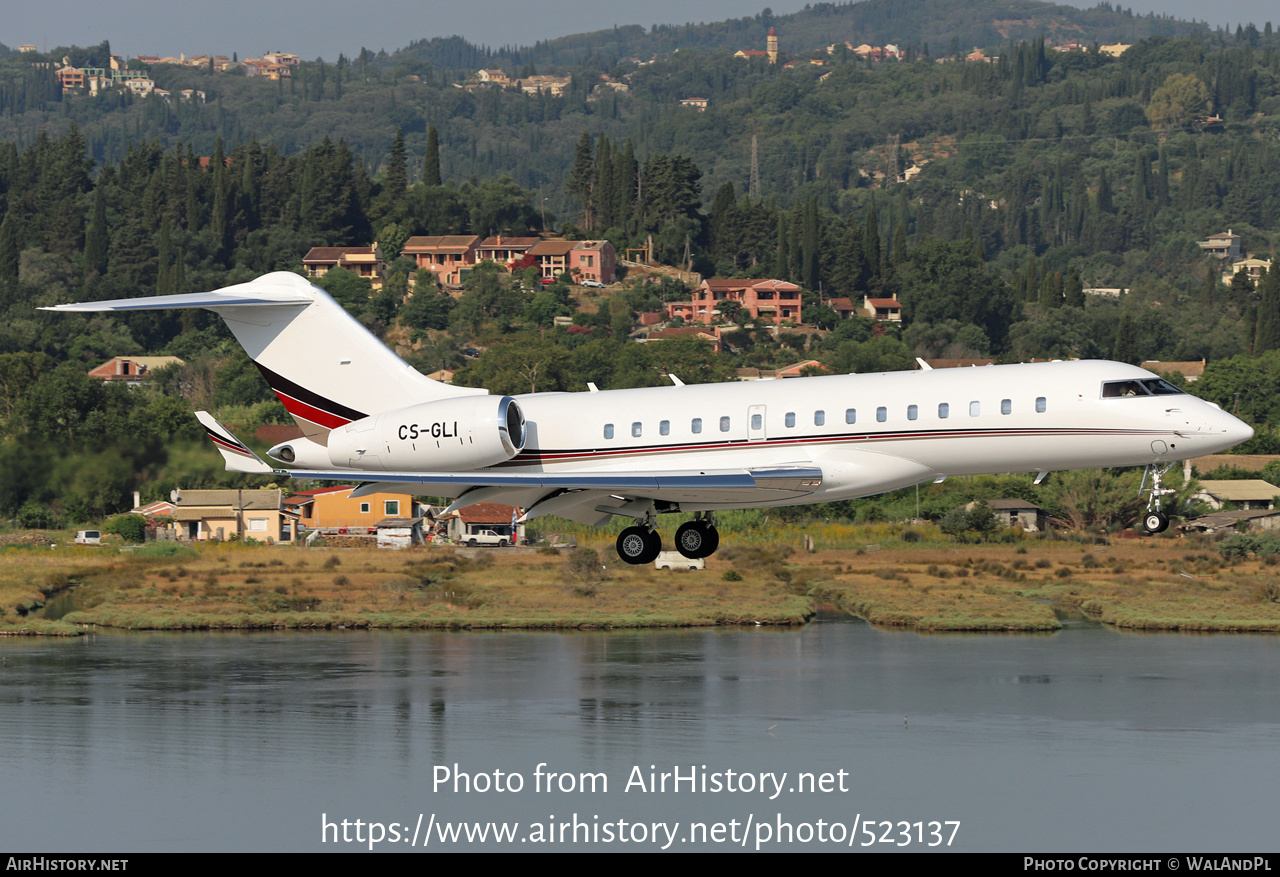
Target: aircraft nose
(1237,430)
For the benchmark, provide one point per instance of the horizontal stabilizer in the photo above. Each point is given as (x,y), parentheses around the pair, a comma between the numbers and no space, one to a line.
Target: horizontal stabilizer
(238,457)
(223,298)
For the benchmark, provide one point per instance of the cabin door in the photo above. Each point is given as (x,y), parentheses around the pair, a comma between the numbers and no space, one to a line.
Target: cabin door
(755,423)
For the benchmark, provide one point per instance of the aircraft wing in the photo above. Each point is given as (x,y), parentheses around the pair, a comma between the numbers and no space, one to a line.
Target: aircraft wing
(674,485)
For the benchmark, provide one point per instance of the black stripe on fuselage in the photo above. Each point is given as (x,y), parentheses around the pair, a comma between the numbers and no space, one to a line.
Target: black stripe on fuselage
(281,384)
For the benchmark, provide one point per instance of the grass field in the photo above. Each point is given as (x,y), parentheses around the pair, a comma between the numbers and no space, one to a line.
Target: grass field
(926,584)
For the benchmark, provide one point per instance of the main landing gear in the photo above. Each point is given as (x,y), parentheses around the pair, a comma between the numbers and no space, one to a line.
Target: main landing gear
(1155,520)
(694,539)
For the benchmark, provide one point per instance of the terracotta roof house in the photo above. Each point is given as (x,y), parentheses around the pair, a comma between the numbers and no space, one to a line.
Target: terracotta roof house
(363,262)
(133,370)
(508,251)
(447,255)
(1224,245)
(884,309)
(775,300)
(593,260)
(483,516)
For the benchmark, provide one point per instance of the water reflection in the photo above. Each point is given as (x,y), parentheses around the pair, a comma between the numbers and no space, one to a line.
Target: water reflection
(240,741)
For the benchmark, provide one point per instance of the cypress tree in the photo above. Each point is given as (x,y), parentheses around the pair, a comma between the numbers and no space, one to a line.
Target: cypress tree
(1267,334)
(1126,346)
(8,249)
(397,170)
(431,162)
(95,239)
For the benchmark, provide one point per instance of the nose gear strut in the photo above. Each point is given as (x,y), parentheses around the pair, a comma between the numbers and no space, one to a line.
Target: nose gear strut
(1155,520)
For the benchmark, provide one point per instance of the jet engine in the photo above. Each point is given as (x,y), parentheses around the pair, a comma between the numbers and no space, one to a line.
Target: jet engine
(448,435)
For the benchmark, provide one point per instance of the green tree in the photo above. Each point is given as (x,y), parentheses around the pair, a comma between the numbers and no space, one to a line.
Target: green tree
(1181,99)
(431,161)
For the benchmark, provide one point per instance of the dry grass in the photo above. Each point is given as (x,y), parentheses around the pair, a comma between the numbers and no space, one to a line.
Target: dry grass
(1154,584)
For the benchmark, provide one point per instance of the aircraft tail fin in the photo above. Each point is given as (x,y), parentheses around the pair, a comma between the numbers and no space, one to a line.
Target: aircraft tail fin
(325,367)
(238,456)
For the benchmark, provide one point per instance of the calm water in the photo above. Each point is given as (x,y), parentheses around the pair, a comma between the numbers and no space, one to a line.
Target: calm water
(1087,740)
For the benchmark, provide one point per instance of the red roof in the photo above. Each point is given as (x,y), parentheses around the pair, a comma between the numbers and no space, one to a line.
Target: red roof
(887,303)
(488,513)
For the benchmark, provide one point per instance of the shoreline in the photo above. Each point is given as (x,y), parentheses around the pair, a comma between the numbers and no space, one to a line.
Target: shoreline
(1169,585)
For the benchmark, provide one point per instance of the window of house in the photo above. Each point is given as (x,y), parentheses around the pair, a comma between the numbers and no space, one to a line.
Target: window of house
(1041,404)
(819,418)
(258,525)
(636,429)
(696,426)
(364,508)
(912,412)
(664,427)
(1006,406)
(851,415)
(882,414)
(975,408)
(724,424)
(608,430)
(790,419)
(391,508)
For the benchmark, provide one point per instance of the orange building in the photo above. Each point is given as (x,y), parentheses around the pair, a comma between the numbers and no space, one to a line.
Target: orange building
(334,508)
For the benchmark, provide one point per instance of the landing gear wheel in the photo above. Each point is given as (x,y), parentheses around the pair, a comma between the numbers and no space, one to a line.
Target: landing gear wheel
(697,539)
(1156,522)
(638,545)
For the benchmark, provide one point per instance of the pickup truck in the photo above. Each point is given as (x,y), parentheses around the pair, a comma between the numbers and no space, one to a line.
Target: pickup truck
(486,537)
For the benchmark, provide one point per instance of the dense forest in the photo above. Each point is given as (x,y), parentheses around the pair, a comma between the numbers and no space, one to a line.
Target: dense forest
(1033,177)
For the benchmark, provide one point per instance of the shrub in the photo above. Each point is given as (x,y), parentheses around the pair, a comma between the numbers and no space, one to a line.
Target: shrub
(131,528)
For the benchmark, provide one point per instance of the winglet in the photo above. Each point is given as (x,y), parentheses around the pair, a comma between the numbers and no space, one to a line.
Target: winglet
(239,458)
(924,366)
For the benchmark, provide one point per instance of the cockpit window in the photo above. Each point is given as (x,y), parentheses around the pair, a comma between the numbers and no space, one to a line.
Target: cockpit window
(1150,387)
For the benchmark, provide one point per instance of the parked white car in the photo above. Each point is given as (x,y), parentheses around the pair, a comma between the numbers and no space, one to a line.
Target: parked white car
(676,560)
(88,537)
(487,537)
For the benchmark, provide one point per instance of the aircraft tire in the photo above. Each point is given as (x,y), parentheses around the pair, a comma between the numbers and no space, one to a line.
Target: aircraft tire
(697,539)
(637,545)
(1156,522)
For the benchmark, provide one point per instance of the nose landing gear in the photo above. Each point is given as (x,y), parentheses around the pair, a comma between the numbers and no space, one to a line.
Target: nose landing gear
(1155,520)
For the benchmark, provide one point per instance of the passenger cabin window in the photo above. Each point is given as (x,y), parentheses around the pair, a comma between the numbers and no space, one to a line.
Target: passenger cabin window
(975,408)
(882,414)
(664,427)
(724,424)
(944,410)
(912,412)
(819,418)
(851,415)
(636,429)
(608,430)
(790,419)
(696,426)
(1006,406)
(1042,404)
(757,421)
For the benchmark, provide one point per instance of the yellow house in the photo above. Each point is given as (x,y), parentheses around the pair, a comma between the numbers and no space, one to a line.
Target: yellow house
(334,508)
(259,515)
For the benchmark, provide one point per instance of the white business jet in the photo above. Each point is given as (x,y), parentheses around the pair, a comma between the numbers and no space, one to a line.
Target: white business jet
(367,415)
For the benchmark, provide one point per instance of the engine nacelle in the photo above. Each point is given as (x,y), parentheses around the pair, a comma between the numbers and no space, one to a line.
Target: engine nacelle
(449,435)
(302,452)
